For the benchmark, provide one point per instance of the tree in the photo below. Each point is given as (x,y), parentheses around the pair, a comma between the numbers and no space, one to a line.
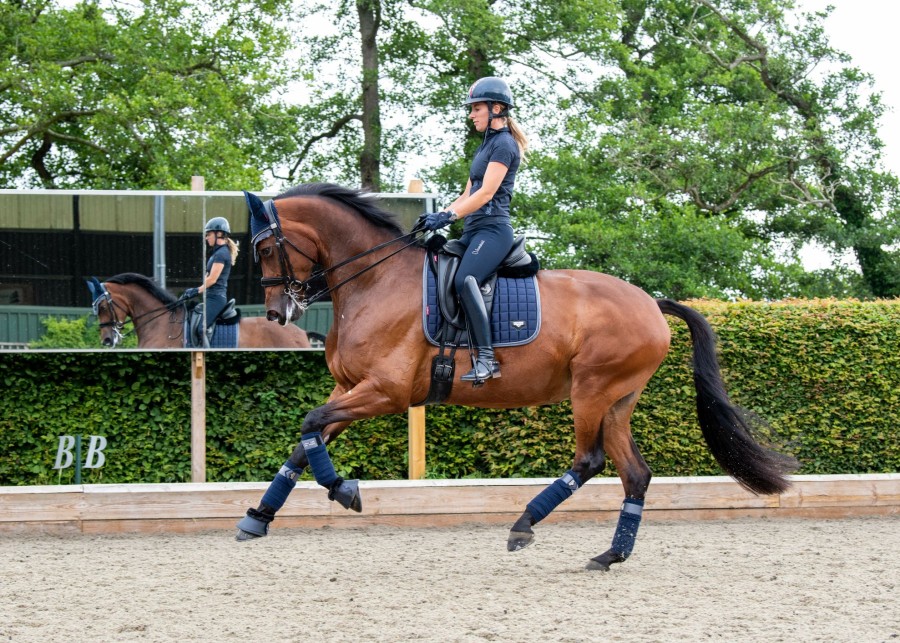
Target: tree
(140,96)
(714,108)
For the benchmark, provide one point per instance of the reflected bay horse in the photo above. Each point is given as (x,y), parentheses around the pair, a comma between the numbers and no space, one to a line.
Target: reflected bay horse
(601,340)
(157,317)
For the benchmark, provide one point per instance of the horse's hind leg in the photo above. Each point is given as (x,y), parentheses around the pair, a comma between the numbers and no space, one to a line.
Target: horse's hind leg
(635,476)
(588,462)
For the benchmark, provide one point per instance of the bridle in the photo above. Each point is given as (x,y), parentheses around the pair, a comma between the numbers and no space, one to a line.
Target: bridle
(116,324)
(119,324)
(296,289)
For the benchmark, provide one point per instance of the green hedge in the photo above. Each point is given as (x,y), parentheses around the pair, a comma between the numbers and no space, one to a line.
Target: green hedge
(824,373)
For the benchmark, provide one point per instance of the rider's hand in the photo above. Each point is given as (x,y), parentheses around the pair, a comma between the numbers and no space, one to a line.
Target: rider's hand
(190,293)
(437,220)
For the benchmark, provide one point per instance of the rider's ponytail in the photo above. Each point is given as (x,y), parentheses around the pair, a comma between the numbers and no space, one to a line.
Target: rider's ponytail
(518,135)
(234,249)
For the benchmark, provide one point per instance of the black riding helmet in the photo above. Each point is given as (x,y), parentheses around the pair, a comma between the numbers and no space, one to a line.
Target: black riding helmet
(490,90)
(218,225)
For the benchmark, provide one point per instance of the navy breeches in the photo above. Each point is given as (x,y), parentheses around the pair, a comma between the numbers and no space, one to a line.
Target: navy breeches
(214,305)
(485,249)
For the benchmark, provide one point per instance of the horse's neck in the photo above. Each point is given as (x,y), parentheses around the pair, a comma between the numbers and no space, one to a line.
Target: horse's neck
(154,322)
(141,303)
(400,274)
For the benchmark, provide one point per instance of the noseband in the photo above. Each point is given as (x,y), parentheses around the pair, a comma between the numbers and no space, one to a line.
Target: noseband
(296,289)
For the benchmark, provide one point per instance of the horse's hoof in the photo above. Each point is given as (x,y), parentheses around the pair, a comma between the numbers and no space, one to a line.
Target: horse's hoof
(347,494)
(596,565)
(604,560)
(250,527)
(519,540)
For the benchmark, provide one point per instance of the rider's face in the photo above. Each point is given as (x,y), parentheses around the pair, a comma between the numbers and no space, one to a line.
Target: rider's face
(479,116)
(210,238)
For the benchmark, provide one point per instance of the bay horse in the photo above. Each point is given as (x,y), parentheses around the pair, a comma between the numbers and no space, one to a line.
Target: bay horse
(157,317)
(601,340)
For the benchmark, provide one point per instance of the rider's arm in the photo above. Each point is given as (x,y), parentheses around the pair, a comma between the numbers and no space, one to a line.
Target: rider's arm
(468,203)
(212,276)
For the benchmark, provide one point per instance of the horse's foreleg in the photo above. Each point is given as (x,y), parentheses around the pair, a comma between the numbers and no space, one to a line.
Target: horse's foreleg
(255,523)
(345,492)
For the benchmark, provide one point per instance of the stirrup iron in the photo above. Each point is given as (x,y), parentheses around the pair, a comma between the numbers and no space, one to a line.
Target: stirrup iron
(483,369)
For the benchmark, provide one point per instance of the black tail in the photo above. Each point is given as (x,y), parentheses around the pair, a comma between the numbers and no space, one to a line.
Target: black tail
(726,426)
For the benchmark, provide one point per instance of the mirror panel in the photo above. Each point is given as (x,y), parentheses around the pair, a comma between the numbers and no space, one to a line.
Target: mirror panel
(52,241)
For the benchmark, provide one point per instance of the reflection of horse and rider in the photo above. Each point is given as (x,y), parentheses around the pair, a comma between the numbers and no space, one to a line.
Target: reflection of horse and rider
(218,270)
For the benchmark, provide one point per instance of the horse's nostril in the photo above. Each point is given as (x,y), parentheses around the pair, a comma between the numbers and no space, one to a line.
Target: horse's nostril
(273,316)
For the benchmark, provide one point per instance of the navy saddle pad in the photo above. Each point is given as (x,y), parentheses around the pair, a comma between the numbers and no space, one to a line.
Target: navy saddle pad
(515,317)
(224,336)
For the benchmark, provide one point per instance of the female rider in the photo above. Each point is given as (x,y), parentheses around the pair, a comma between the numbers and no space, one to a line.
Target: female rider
(484,204)
(218,268)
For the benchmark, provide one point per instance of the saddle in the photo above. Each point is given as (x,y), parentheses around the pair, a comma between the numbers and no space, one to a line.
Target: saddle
(196,336)
(514,283)
(445,258)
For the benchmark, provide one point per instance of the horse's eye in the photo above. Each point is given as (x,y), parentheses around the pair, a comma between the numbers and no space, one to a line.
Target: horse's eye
(265,252)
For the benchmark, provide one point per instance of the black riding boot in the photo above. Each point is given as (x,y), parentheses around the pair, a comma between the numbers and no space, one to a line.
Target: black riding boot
(484,367)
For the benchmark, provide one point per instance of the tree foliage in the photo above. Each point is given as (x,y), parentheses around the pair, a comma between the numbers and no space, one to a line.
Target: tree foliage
(139,95)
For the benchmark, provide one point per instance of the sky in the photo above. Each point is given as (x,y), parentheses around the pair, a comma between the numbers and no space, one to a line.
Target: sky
(866,30)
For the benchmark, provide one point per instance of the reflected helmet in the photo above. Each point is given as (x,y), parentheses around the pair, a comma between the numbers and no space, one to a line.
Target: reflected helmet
(218,224)
(490,89)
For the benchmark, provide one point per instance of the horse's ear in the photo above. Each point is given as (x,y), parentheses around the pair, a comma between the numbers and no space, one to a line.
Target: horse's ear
(258,218)
(254,203)
(94,286)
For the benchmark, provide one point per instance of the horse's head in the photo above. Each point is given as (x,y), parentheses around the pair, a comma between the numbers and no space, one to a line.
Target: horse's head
(286,269)
(335,227)
(110,316)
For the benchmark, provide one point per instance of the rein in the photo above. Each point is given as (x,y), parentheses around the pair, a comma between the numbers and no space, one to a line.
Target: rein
(296,288)
(117,325)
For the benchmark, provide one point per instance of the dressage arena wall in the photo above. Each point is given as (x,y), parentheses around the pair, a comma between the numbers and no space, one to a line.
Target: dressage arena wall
(192,507)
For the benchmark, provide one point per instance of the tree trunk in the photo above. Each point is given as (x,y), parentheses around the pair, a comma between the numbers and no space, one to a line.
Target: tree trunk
(370,157)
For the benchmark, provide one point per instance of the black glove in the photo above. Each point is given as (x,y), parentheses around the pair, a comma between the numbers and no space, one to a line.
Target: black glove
(437,220)
(190,292)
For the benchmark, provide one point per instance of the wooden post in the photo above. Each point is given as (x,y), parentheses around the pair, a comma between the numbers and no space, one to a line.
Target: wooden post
(416,414)
(198,416)
(198,394)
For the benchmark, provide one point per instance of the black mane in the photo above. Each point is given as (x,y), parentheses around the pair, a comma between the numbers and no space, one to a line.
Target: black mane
(146,283)
(358,200)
